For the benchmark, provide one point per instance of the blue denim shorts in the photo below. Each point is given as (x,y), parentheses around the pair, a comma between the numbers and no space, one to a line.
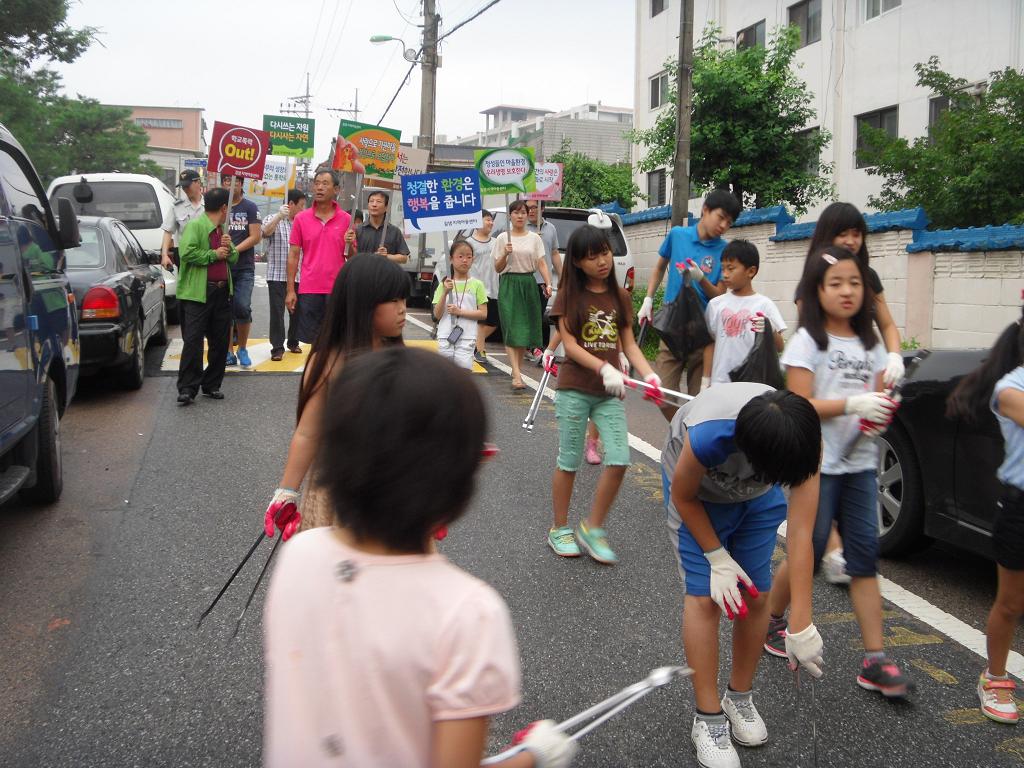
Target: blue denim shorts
(573,409)
(747,530)
(850,500)
(242,281)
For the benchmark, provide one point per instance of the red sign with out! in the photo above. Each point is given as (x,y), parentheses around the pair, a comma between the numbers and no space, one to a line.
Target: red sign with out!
(237,150)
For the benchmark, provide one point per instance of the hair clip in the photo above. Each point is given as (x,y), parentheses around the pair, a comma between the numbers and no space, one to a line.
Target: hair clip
(489,451)
(829,258)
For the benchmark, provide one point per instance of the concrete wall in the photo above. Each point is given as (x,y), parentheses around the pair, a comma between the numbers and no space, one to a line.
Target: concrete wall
(947,299)
(597,139)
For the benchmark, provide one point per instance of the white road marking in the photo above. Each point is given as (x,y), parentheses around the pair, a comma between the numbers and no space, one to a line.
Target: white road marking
(970,638)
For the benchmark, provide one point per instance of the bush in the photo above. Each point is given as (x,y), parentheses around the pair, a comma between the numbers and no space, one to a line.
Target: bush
(650,346)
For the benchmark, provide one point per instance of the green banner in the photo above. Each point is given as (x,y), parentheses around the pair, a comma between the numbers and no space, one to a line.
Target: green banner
(290,136)
(508,170)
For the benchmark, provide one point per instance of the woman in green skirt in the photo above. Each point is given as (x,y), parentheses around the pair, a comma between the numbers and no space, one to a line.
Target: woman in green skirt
(516,256)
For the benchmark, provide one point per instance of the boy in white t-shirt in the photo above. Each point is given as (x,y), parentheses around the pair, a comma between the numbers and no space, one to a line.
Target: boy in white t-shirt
(735,316)
(460,302)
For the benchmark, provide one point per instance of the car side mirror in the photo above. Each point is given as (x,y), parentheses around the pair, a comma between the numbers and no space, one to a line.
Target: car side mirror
(67,226)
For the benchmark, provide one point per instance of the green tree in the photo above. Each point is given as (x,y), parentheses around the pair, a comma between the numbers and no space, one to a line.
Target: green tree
(61,135)
(747,125)
(970,170)
(587,182)
(34,29)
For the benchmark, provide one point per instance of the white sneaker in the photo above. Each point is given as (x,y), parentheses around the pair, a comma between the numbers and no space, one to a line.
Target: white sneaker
(711,741)
(748,729)
(834,566)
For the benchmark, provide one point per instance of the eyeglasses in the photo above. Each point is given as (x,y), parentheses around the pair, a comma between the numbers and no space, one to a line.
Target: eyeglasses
(531,208)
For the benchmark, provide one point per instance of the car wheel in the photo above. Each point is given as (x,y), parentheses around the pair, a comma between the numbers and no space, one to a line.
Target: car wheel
(135,372)
(900,496)
(49,466)
(159,336)
(171,306)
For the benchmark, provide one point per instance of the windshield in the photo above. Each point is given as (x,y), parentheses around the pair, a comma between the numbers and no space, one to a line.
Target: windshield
(566,226)
(90,253)
(133,202)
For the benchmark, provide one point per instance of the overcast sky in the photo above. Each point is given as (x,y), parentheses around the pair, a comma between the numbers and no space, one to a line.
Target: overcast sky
(552,54)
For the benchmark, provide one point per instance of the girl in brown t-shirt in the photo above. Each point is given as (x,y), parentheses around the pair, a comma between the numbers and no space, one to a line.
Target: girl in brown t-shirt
(595,320)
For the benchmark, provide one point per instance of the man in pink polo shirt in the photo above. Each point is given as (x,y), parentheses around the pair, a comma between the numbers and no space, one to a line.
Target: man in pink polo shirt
(320,233)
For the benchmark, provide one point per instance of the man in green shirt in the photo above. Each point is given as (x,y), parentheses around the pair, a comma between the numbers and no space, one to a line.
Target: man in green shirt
(204,295)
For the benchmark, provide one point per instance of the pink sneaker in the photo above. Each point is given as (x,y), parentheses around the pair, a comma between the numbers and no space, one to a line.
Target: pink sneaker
(590,453)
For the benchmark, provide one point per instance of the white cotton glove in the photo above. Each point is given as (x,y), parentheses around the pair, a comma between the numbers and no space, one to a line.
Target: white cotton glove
(726,575)
(549,747)
(705,383)
(871,406)
(894,370)
(547,360)
(877,429)
(804,650)
(623,363)
(614,383)
(696,273)
(283,210)
(646,310)
(757,323)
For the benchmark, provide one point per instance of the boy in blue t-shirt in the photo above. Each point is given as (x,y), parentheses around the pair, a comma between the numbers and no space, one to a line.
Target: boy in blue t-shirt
(728,453)
(698,249)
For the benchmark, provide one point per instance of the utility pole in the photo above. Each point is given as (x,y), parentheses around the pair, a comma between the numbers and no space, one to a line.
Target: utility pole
(353,110)
(428,66)
(684,106)
(304,101)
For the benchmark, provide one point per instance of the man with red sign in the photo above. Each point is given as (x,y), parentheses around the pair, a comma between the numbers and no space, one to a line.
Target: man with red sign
(321,234)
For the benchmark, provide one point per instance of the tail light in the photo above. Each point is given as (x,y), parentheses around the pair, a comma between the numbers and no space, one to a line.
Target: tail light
(629,279)
(100,303)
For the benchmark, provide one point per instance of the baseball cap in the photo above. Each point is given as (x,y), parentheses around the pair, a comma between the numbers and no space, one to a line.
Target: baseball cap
(187,177)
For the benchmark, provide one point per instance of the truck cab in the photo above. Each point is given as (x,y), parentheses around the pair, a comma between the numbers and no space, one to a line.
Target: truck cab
(39,349)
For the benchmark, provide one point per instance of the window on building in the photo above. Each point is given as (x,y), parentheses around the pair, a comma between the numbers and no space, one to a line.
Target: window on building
(592,108)
(751,36)
(814,162)
(883,119)
(878,7)
(157,122)
(937,106)
(659,90)
(656,188)
(806,17)
(657,6)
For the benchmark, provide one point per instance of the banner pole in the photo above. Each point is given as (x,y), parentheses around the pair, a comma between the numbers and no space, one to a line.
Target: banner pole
(355,204)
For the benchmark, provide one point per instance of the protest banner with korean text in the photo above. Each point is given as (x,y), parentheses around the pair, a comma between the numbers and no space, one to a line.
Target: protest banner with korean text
(549,182)
(237,150)
(508,170)
(290,136)
(411,160)
(437,202)
(278,178)
(370,150)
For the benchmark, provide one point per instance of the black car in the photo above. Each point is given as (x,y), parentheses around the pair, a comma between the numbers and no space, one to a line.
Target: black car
(937,476)
(119,289)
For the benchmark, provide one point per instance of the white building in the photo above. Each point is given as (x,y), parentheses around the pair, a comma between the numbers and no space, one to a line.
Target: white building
(857,57)
(593,129)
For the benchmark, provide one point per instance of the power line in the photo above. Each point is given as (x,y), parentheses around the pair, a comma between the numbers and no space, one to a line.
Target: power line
(337,45)
(405,79)
(464,22)
(402,15)
(327,40)
(312,45)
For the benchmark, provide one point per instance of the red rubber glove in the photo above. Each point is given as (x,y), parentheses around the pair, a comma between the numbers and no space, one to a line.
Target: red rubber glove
(653,390)
(284,513)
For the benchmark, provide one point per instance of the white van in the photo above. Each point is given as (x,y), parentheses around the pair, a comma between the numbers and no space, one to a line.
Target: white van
(138,201)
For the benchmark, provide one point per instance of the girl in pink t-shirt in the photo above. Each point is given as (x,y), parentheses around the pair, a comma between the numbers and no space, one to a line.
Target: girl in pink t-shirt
(378,651)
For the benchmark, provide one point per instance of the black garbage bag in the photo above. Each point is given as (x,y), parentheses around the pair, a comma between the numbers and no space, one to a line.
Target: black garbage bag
(681,324)
(762,362)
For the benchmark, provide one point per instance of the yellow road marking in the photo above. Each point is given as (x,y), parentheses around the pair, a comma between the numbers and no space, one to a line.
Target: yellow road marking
(843,618)
(1012,746)
(936,674)
(973,716)
(900,637)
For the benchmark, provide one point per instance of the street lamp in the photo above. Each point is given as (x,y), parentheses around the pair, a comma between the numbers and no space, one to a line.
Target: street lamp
(409,54)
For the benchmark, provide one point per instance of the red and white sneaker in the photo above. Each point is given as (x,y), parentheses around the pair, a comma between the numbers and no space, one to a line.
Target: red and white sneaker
(884,676)
(997,702)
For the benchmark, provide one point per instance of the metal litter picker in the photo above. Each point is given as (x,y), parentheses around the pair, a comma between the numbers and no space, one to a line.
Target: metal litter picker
(606,709)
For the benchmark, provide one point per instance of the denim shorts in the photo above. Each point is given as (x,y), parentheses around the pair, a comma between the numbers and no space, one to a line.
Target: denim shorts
(850,500)
(242,280)
(573,409)
(747,530)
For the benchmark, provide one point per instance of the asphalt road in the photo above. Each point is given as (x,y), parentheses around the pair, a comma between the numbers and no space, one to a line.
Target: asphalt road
(101,592)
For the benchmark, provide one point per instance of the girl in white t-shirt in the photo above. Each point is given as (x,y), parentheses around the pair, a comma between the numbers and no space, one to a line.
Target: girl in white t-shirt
(378,651)
(836,361)
(460,304)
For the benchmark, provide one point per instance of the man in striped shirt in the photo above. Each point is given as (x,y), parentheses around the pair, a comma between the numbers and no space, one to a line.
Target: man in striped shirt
(277,229)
